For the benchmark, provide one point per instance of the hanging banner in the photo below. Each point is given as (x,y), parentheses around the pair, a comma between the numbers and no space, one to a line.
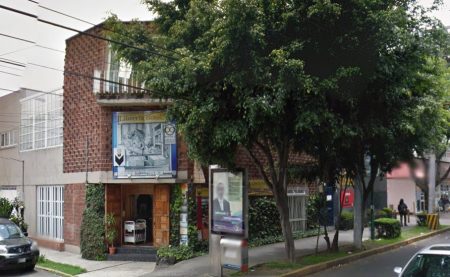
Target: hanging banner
(144,145)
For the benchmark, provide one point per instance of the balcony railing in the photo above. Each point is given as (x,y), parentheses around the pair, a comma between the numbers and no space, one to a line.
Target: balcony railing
(120,88)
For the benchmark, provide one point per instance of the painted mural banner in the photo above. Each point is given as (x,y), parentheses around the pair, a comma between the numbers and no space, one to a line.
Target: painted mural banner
(228,198)
(144,145)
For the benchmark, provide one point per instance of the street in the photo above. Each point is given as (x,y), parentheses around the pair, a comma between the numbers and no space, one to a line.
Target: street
(34,273)
(382,264)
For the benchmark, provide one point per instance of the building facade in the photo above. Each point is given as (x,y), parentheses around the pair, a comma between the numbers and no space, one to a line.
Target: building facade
(31,139)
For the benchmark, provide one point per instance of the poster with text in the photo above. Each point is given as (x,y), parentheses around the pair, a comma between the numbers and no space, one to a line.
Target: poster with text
(227,203)
(147,143)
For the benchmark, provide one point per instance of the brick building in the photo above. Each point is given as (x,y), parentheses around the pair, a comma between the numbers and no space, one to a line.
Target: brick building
(107,120)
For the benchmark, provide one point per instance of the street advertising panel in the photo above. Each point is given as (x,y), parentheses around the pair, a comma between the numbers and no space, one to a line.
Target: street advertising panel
(228,202)
(144,145)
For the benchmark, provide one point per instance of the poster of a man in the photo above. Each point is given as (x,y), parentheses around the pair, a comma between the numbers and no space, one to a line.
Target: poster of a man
(227,203)
(221,205)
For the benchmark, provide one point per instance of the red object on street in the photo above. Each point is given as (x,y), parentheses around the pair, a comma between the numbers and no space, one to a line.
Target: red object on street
(347,198)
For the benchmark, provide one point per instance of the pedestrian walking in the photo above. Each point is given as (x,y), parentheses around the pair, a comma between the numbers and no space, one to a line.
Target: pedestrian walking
(403,211)
(441,204)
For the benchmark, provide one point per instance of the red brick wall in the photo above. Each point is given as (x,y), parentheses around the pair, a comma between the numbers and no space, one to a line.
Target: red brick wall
(74,204)
(83,118)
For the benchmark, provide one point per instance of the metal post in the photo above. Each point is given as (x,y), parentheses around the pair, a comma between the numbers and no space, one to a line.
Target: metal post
(23,181)
(372,216)
(431,182)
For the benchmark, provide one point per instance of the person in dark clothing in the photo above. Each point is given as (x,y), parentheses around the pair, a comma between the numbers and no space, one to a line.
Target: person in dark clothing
(220,205)
(402,211)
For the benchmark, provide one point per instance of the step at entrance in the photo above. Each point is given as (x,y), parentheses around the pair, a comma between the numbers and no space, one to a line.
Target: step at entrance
(134,253)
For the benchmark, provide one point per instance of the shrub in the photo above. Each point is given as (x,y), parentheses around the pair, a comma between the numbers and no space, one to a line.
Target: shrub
(380,214)
(92,225)
(264,219)
(5,207)
(254,242)
(389,212)
(172,254)
(388,228)
(314,205)
(346,222)
(421,219)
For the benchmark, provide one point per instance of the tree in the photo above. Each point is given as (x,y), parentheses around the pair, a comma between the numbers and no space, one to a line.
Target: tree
(272,77)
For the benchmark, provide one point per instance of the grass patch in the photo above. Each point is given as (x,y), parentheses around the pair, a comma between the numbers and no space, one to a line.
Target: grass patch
(406,234)
(66,268)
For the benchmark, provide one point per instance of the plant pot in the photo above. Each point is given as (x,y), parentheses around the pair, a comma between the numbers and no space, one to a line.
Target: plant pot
(112,250)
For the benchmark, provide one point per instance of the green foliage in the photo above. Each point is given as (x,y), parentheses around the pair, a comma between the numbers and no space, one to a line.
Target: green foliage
(336,80)
(389,212)
(111,231)
(346,222)
(179,252)
(422,219)
(92,226)
(388,228)
(68,269)
(5,207)
(263,217)
(176,200)
(19,221)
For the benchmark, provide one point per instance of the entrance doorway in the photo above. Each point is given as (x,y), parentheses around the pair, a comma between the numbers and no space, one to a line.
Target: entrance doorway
(144,210)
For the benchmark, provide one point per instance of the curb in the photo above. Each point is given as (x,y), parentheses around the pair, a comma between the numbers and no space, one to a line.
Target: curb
(311,269)
(54,271)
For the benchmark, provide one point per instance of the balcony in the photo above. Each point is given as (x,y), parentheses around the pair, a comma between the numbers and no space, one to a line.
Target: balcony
(119,88)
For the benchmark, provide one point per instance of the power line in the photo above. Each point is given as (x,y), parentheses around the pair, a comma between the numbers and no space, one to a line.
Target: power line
(51,92)
(30,41)
(16,63)
(89,77)
(103,27)
(9,73)
(10,67)
(84,33)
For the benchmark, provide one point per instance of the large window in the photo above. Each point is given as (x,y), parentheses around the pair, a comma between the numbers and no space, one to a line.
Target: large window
(41,122)
(7,139)
(50,212)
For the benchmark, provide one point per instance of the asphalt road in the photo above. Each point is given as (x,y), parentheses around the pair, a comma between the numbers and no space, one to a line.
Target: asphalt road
(382,265)
(34,273)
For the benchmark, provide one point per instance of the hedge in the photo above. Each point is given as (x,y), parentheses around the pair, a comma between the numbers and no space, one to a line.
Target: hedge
(264,219)
(5,207)
(346,222)
(92,228)
(388,228)
(421,219)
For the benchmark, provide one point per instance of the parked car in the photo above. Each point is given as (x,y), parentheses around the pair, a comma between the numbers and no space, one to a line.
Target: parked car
(430,261)
(16,249)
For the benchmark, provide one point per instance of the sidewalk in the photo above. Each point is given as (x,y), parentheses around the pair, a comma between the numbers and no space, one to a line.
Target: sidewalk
(200,266)
(100,268)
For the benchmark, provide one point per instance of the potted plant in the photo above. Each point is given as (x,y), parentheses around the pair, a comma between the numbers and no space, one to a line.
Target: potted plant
(111,232)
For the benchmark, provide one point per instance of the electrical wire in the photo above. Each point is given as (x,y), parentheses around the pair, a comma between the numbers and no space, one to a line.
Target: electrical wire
(85,33)
(102,27)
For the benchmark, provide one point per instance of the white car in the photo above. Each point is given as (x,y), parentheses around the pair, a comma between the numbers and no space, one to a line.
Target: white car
(432,261)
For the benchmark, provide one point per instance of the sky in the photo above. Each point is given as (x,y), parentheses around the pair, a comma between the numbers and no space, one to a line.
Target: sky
(93,11)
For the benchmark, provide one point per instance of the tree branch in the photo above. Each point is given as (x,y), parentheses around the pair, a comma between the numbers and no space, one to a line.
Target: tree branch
(260,168)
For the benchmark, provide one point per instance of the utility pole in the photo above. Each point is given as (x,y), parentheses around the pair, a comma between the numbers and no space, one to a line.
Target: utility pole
(23,174)
(431,182)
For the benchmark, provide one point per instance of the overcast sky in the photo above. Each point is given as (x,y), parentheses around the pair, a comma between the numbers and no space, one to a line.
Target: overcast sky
(93,11)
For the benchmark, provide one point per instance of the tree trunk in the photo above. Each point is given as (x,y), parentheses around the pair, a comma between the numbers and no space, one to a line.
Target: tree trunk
(283,209)
(358,224)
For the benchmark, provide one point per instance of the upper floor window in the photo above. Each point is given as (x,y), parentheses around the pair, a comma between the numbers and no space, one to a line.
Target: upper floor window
(41,122)
(7,139)
(118,76)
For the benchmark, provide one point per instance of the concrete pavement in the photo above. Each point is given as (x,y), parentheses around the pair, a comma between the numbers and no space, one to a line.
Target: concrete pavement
(200,266)
(100,268)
